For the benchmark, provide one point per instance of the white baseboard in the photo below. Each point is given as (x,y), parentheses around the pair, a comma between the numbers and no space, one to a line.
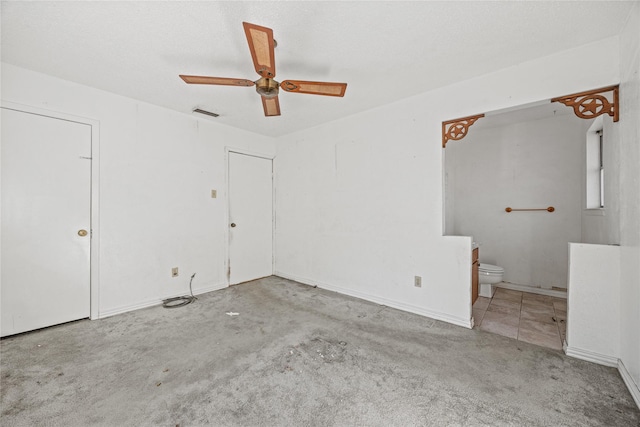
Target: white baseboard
(630,383)
(591,356)
(156,301)
(532,289)
(605,360)
(465,323)
(209,288)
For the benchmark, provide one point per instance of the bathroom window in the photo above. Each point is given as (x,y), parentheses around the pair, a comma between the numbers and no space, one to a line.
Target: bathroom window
(595,166)
(601,158)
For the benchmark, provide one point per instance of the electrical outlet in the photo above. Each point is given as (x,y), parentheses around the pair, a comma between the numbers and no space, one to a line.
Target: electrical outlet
(214,194)
(417,281)
(174,272)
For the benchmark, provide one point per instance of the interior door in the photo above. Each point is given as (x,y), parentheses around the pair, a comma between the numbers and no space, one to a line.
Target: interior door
(46,196)
(250,217)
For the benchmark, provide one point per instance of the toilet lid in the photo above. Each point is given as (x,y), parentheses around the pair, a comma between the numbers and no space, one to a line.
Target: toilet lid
(490,268)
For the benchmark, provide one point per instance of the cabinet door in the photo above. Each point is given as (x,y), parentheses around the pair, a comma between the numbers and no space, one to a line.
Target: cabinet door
(474,281)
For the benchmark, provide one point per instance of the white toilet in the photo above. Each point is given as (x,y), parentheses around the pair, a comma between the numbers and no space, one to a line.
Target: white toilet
(488,276)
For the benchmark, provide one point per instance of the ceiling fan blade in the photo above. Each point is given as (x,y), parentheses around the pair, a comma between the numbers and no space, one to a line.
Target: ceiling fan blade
(314,88)
(204,80)
(261,46)
(271,106)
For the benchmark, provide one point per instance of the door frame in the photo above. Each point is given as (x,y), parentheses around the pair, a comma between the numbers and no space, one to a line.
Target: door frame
(227,151)
(94,254)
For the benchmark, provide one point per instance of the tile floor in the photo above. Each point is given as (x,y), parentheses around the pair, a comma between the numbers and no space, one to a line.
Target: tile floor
(533,318)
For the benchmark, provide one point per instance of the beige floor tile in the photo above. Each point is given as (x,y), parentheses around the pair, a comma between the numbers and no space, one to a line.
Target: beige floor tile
(512,310)
(478,314)
(504,303)
(541,309)
(500,323)
(508,294)
(537,301)
(507,319)
(560,304)
(539,333)
(562,327)
(541,340)
(543,328)
(538,313)
(482,303)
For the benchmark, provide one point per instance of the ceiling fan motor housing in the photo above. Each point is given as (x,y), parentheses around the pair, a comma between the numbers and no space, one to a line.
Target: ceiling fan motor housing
(268,88)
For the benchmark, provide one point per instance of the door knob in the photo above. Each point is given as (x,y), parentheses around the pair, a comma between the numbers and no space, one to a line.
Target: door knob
(233,224)
(82,233)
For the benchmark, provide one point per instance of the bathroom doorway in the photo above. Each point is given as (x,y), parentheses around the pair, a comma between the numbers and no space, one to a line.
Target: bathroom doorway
(529,157)
(535,186)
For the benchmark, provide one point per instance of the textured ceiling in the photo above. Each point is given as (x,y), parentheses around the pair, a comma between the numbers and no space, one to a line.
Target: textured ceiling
(385,51)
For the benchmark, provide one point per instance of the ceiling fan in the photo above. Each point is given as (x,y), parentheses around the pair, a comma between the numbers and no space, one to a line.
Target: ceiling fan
(261,45)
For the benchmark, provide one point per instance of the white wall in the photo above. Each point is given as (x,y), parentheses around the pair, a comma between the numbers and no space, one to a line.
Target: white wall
(359,200)
(630,203)
(346,221)
(531,164)
(157,169)
(593,315)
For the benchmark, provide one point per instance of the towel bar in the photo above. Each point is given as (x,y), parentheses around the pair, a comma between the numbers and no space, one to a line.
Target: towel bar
(549,209)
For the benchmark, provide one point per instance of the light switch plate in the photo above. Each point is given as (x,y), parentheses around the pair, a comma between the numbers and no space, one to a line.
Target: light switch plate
(214,194)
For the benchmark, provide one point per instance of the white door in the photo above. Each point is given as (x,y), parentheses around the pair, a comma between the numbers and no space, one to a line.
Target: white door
(46,195)
(250,218)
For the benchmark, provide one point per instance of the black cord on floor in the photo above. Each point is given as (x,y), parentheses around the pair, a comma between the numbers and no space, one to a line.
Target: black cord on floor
(180,301)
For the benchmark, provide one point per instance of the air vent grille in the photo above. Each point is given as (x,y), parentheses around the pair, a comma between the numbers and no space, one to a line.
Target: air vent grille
(205,112)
